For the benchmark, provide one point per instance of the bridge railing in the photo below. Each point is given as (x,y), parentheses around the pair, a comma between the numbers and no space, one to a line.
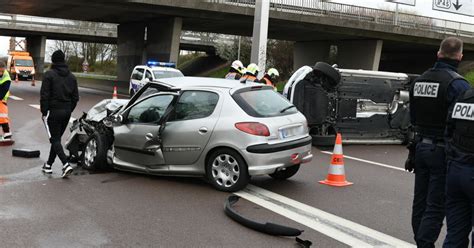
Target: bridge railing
(363,14)
(58,25)
(210,39)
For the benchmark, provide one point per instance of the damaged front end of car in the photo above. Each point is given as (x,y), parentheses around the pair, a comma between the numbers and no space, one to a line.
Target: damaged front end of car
(99,120)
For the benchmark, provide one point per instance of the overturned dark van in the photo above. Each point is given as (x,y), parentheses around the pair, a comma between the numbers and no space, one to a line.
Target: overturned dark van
(366,107)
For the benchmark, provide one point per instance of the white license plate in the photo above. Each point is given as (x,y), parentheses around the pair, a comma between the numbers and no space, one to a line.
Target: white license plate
(289,132)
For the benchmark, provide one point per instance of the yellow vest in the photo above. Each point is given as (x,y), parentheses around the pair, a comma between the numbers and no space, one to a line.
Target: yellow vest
(4,79)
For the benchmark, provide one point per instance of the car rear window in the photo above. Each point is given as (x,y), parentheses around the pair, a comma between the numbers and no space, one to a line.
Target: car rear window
(167,74)
(264,103)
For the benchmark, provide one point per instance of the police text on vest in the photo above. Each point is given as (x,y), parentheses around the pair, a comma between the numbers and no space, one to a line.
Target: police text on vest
(425,89)
(464,111)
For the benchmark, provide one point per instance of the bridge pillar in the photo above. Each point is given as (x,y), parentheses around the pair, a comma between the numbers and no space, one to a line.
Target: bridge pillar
(36,46)
(130,46)
(359,54)
(163,39)
(310,52)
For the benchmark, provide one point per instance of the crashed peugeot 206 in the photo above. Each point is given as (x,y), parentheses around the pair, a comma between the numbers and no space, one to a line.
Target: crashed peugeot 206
(366,107)
(223,130)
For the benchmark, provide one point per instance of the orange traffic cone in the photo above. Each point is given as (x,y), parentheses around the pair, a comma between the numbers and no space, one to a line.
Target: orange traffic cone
(336,175)
(114,95)
(16,78)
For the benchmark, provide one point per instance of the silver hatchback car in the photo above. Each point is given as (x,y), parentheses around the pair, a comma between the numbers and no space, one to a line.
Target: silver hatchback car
(224,130)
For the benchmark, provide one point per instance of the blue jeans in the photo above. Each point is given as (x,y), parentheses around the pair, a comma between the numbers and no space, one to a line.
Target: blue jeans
(428,203)
(459,204)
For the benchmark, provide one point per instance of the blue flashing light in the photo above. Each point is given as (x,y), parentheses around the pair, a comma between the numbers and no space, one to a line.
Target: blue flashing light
(162,64)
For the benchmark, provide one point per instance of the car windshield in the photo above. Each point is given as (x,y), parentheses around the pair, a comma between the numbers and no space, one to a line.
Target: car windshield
(167,74)
(23,62)
(264,103)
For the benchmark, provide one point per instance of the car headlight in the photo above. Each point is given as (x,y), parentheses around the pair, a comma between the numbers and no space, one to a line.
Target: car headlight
(108,122)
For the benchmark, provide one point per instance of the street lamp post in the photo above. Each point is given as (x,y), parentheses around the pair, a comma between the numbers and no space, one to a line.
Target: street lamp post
(260,33)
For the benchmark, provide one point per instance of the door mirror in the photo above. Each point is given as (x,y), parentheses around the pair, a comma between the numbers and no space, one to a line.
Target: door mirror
(118,119)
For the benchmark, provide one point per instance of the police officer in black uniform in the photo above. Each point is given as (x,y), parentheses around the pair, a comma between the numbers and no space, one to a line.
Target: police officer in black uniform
(431,95)
(460,175)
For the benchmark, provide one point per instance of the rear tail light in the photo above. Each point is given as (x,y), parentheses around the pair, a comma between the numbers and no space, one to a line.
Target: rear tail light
(253,128)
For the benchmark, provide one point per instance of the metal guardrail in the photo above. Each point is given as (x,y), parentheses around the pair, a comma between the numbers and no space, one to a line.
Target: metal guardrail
(58,25)
(210,39)
(362,14)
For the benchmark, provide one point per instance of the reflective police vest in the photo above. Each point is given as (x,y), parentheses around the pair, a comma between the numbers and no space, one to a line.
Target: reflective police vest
(428,96)
(463,122)
(5,78)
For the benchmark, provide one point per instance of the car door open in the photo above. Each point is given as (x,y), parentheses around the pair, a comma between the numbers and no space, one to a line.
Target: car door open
(137,142)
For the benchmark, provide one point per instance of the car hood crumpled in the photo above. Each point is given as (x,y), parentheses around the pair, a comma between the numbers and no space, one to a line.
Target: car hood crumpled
(104,108)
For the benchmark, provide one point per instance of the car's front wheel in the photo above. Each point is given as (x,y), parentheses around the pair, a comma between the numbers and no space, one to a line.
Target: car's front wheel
(227,171)
(285,173)
(95,152)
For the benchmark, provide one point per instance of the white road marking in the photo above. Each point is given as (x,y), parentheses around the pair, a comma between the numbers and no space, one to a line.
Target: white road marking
(369,162)
(15,98)
(37,106)
(333,226)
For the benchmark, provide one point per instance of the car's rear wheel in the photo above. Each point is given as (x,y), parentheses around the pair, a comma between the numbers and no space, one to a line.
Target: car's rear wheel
(95,152)
(329,71)
(227,171)
(285,173)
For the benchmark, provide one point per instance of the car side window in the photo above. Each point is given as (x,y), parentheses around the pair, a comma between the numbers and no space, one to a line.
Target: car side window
(195,105)
(138,74)
(150,110)
(148,75)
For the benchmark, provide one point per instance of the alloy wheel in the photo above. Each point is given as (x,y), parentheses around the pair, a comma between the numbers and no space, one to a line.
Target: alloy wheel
(90,153)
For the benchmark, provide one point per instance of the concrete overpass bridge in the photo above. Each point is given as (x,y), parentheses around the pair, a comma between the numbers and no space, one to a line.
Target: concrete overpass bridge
(37,29)
(366,38)
(97,32)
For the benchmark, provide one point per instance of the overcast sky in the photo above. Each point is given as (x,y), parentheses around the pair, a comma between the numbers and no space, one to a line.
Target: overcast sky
(423,7)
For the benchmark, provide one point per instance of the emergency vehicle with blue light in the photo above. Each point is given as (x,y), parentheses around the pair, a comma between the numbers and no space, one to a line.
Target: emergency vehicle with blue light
(153,70)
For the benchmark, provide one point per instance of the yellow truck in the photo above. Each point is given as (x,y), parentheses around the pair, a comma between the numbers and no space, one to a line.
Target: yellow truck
(20,64)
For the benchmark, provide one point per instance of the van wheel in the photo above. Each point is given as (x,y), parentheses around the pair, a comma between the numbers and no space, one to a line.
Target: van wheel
(227,171)
(94,155)
(285,173)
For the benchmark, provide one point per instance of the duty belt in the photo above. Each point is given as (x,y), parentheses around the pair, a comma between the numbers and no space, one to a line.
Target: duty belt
(439,143)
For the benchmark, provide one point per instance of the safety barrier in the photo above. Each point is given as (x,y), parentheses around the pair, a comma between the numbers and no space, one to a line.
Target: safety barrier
(362,14)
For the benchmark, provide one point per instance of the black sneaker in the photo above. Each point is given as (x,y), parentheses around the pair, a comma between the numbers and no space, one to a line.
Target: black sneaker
(46,169)
(67,170)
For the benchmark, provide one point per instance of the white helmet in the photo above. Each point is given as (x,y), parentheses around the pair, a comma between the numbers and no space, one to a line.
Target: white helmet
(253,69)
(272,72)
(237,65)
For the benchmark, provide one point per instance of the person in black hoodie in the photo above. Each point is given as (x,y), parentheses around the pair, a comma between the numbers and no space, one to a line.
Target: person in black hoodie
(59,97)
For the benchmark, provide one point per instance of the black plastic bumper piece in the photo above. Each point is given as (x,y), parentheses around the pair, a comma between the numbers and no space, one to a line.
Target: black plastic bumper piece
(25,153)
(267,148)
(268,228)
